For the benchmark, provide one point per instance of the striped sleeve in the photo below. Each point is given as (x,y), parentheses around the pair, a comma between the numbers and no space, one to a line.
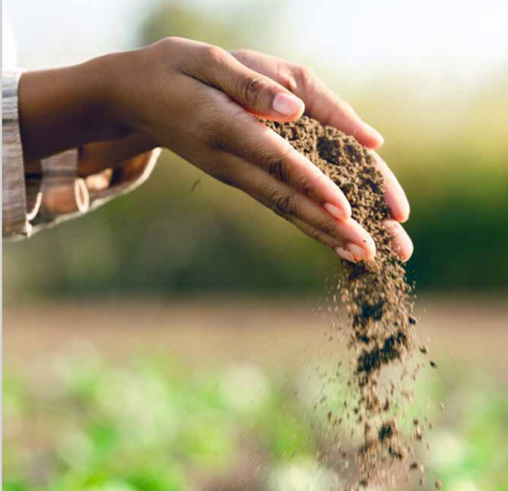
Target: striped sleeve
(64,194)
(40,193)
(14,199)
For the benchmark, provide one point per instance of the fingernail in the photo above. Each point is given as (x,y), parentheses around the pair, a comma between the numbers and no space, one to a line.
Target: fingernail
(358,252)
(287,104)
(336,212)
(374,133)
(345,254)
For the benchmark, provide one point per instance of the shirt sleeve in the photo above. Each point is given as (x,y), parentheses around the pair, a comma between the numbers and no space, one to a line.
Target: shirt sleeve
(66,196)
(15,221)
(34,200)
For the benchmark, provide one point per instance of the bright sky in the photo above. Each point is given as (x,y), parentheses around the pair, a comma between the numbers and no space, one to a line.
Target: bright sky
(453,40)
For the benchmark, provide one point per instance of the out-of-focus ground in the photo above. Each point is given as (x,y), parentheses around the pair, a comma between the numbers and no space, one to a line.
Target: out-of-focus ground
(218,330)
(222,394)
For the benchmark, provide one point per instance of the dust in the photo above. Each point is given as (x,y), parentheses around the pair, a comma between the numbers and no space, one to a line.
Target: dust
(378,301)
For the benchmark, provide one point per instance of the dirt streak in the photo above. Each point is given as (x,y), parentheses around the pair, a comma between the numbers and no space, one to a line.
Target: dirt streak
(375,294)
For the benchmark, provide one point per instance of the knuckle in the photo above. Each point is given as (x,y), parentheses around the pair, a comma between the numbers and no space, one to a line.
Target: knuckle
(167,42)
(287,79)
(169,46)
(214,134)
(304,185)
(295,77)
(249,88)
(173,40)
(220,173)
(304,75)
(214,54)
(212,131)
(282,203)
(218,132)
(174,49)
(277,166)
(160,49)
(326,225)
(326,229)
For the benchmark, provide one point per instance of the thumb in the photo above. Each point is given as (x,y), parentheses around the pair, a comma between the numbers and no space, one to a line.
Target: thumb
(255,92)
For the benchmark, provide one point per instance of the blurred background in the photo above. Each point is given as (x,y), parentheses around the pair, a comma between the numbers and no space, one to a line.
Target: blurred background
(130,335)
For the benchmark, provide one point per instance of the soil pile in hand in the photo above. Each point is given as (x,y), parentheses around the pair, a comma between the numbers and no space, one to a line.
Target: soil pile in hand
(375,294)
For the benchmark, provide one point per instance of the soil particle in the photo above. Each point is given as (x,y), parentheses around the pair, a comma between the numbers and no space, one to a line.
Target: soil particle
(438,484)
(419,433)
(387,431)
(375,294)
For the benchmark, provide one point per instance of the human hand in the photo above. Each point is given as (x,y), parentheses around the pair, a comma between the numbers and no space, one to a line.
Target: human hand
(99,160)
(323,104)
(198,100)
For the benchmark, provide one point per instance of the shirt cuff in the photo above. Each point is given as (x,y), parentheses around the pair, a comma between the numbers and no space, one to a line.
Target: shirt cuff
(66,196)
(63,193)
(125,178)
(14,208)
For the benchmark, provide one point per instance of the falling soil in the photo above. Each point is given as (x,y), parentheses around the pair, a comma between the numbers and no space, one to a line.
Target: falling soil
(376,296)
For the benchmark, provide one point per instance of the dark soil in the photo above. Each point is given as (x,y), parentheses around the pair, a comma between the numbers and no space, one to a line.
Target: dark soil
(375,294)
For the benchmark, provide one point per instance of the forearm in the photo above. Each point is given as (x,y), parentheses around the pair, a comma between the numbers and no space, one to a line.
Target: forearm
(49,111)
(65,108)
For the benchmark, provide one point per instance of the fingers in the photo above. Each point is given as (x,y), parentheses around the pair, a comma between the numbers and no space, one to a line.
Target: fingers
(288,202)
(242,135)
(349,252)
(395,196)
(347,238)
(314,233)
(254,91)
(402,242)
(301,189)
(321,102)
(95,157)
(325,106)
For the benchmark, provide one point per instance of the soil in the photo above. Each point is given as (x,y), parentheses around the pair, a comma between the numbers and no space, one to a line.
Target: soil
(376,296)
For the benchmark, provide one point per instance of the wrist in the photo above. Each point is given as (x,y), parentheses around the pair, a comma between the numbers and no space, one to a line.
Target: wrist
(102,117)
(63,108)
(118,93)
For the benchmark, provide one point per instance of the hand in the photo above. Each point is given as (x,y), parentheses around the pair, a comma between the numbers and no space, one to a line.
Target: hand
(322,104)
(198,100)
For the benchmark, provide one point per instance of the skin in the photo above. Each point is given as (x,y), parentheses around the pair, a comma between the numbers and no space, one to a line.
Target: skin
(198,101)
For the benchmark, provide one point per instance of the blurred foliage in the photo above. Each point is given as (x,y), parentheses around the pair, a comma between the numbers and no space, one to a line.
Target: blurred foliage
(184,233)
(152,425)
(232,27)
